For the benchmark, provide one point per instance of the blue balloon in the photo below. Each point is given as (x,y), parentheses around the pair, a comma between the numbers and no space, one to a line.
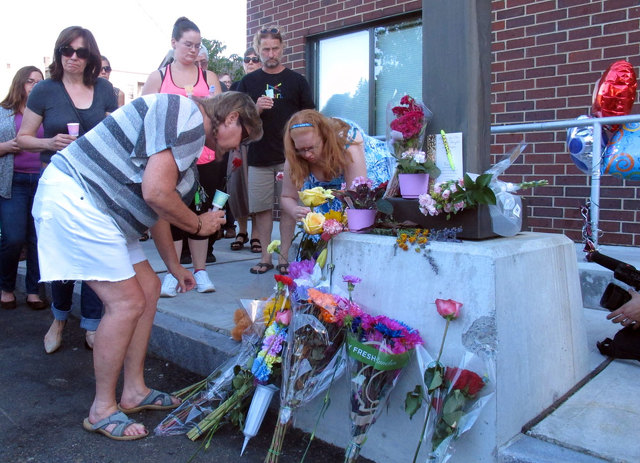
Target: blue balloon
(580,146)
(622,155)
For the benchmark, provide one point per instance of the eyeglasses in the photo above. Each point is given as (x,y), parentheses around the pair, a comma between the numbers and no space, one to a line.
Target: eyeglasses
(252,59)
(309,149)
(106,68)
(273,30)
(68,51)
(194,46)
(32,81)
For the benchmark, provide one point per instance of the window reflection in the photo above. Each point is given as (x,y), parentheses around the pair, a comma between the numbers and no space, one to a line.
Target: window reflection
(345,63)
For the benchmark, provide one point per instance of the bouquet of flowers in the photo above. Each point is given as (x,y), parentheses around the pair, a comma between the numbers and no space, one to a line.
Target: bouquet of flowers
(311,361)
(453,196)
(378,348)
(407,123)
(239,377)
(452,394)
(325,221)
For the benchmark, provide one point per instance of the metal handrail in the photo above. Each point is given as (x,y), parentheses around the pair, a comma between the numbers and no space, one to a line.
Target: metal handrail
(596,153)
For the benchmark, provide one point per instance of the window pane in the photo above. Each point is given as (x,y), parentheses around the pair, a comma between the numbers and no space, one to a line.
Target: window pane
(398,65)
(343,77)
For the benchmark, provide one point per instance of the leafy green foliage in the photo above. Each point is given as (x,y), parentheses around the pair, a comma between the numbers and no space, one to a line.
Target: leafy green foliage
(475,192)
(221,64)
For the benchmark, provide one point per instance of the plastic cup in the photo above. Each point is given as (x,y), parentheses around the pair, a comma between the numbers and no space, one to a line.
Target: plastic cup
(219,200)
(269,92)
(73,128)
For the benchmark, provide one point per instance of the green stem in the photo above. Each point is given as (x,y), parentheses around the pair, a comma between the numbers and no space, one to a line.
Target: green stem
(426,418)
(444,336)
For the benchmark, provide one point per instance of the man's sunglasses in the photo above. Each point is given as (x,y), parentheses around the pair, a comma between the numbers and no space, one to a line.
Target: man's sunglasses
(106,68)
(68,51)
(270,31)
(253,59)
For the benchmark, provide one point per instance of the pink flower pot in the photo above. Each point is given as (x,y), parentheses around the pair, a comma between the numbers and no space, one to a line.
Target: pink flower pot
(359,219)
(413,185)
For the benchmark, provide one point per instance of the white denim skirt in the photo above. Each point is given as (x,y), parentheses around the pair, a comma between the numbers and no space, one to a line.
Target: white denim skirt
(77,241)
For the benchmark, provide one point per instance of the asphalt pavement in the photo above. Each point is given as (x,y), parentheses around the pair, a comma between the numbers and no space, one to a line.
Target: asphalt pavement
(44,399)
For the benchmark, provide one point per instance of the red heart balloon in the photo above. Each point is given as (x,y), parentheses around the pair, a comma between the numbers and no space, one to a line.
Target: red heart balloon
(615,92)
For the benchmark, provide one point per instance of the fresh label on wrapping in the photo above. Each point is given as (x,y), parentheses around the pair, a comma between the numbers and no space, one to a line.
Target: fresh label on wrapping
(369,355)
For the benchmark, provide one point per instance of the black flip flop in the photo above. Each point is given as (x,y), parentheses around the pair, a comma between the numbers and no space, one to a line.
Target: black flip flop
(263,267)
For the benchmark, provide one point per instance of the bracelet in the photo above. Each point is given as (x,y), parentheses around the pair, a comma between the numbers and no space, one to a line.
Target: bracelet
(199,226)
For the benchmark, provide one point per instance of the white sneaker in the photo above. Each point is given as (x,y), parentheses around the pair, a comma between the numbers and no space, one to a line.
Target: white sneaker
(203,283)
(169,286)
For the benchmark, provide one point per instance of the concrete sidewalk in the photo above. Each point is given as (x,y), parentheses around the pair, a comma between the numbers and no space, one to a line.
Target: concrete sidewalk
(597,423)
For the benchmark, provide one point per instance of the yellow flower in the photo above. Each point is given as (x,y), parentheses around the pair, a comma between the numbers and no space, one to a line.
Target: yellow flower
(336,215)
(274,246)
(315,196)
(312,223)
(274,305)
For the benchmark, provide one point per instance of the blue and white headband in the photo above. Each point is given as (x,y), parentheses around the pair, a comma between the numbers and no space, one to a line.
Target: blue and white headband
(302,124)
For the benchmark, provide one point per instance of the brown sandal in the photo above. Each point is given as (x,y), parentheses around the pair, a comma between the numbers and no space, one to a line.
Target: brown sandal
(241,240)
(256,247)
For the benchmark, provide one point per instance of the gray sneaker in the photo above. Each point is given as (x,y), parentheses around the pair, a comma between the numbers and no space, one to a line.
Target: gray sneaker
(169,286)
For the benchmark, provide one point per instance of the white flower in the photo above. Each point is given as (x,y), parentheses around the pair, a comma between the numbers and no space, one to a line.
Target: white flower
(420,157)
(446,194)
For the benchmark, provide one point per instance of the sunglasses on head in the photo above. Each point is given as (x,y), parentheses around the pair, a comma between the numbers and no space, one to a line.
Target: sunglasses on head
(68,51)
(253,59)
(106,68)
(273,30)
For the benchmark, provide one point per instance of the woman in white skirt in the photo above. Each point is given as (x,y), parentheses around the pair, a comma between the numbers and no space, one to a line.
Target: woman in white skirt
(132,172)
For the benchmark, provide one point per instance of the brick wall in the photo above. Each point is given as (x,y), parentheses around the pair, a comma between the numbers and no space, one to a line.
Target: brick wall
(300,18)
(547,55)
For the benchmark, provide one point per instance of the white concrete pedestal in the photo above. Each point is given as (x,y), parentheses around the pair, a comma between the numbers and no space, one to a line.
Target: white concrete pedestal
(522,301)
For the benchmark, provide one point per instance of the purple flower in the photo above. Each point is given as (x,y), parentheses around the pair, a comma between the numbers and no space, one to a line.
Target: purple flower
(351,279)
(302,268)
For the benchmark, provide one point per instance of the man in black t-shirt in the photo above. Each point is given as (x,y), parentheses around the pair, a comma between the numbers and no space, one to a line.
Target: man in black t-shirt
(278,92)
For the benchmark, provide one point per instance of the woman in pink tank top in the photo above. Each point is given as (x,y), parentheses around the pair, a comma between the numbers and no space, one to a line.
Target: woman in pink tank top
(184,77)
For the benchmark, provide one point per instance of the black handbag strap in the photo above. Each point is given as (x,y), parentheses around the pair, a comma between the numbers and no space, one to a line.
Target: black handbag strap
(75,110)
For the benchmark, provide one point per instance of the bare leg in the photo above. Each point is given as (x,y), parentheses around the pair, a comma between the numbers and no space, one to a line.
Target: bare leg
(242,224)
(263,222)
(121,340)
(287,229)
(198,250)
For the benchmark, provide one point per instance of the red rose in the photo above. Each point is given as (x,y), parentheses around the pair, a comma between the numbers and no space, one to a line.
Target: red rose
(468,382)
(237,162)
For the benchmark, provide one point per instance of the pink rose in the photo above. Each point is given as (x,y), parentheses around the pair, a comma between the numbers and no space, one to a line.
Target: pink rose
(448,308)
(284,317)
(279,176)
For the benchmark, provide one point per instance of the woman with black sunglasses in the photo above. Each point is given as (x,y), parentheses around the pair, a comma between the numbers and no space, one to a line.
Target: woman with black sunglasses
(73,94)
(105,73)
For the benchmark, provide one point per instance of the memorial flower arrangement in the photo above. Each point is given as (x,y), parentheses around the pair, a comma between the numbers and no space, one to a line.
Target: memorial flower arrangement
(414,161)
(229,386)
(407,122)
(361,194)
(325,221)
(378,348)
(453,196)
(311,361)
(451,394)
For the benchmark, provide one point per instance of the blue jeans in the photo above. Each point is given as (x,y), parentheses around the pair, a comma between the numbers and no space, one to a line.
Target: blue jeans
(90,303)
(18,229)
